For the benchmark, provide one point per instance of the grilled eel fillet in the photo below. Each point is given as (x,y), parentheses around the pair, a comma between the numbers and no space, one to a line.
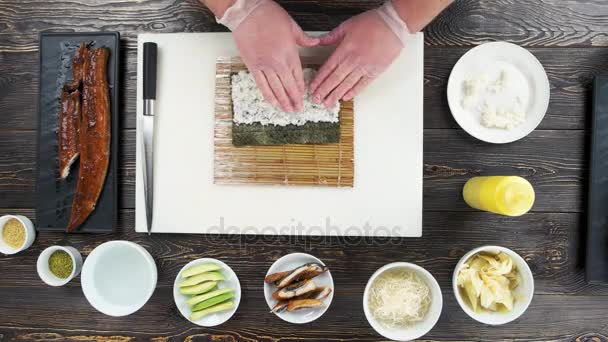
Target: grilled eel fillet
(69,116)
(69,123)
(94,136)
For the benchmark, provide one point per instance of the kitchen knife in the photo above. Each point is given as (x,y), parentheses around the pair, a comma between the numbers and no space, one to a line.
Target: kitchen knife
(150,54)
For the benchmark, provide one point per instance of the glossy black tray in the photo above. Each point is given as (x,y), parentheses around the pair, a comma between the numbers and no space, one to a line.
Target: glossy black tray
(53,195)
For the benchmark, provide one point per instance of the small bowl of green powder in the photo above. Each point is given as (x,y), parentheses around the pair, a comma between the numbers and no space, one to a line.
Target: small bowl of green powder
(57,265)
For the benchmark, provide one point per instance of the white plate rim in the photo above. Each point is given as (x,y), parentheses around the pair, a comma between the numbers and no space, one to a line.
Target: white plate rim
(268,288)
(177,297)
(545,88)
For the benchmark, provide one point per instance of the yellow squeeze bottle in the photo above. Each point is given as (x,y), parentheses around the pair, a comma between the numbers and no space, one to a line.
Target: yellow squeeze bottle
(504,195)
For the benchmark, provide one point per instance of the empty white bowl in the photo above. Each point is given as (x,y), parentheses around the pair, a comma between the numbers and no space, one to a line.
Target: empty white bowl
(43,265)
(231,281)
(30,234)
(289,262)
(523,293)
(415,330)
(118,278)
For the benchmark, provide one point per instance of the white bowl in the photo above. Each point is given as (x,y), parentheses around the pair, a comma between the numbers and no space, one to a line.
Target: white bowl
(415,330)
(289,262)
(523,293)
(118,278)
(43,265)
(484,59)
(30,234)
(231,281)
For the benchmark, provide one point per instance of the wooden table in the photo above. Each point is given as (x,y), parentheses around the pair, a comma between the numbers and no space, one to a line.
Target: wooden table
(569,37)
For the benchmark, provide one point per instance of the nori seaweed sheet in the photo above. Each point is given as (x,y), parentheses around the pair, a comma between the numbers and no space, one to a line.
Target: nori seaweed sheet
(309,133)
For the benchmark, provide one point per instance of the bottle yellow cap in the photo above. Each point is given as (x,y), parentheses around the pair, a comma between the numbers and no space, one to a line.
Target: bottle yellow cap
(515,196)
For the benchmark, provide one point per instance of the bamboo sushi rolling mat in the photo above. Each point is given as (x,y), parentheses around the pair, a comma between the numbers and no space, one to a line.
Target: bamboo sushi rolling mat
(292,164)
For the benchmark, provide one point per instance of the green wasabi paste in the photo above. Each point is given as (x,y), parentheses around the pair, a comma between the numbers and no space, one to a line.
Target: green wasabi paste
(61,264)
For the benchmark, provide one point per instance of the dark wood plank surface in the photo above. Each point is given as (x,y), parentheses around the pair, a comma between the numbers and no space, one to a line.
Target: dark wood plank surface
(581,23)
(550,248)
(570,75)
(450,156)
(570,38)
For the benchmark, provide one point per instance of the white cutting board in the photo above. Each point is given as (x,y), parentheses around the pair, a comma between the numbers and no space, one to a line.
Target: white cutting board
(386,199)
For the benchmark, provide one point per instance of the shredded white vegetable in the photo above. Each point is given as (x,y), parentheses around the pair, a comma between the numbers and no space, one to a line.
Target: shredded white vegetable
(488,282)
(399,298)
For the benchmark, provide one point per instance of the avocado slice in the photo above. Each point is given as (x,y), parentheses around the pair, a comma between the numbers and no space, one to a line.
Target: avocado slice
(198,269)
(198,289)
(200,298)
(203,277)
(212,301)
(220,307)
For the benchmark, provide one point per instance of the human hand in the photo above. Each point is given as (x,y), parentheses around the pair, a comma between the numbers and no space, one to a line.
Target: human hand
(268,40)
(366,47)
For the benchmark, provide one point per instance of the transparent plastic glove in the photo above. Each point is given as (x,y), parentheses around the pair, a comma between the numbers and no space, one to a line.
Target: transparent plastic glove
(367,45)
(268,40)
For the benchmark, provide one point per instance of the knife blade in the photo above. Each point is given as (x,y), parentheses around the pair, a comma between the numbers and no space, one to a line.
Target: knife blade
(149,98)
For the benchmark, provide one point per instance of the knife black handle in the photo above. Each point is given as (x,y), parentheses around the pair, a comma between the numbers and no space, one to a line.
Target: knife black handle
(150,57)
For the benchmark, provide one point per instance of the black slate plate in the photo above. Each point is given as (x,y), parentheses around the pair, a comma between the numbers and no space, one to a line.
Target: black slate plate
(596,263)
(53,195)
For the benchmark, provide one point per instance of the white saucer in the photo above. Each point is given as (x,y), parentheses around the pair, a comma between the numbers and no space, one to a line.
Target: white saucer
(231,282)
(485,59)
(289,262)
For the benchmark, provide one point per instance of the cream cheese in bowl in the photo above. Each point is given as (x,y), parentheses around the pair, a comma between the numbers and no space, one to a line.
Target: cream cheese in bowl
(498,92)
(118,278)
(499,95)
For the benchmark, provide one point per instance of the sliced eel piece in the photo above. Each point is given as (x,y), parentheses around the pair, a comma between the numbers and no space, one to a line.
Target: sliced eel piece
(313,270)
(67,135)
(280,306)
(94,136)
(70,115)
(319,293)
(291,276)
(294,290)
(297,304)
(271,278)
(78,65)
(306,271)
(78,62)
